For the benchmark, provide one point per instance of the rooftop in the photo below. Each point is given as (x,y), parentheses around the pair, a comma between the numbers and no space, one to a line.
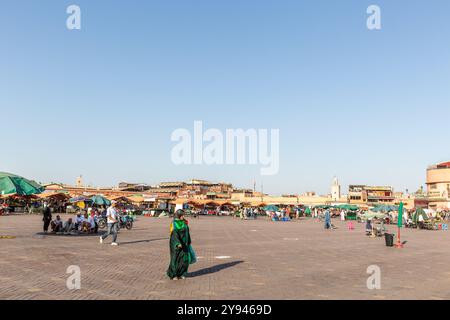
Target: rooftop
(443,165)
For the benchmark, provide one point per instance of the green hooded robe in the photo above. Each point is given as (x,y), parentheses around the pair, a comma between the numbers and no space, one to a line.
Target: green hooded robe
(180,258)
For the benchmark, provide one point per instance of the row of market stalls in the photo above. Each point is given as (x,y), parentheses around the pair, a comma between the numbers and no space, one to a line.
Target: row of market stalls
(64,202)
(18,194)
(230,205)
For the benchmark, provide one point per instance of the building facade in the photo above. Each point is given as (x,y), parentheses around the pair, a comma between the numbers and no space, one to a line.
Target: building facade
(371,195)
(438,186)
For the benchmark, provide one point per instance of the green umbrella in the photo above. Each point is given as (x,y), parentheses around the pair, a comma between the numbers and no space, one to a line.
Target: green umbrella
(321,206)
(348,207)
(373,215)
(101,201)
(384,208)
(271,208)
(419,212)
(13,184)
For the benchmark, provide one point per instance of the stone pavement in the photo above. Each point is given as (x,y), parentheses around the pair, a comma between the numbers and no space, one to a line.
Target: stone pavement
(237,260)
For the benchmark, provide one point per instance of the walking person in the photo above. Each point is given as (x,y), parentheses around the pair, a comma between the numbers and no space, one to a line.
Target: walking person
(181,253)
(327,219)
(112,220)
(47,216)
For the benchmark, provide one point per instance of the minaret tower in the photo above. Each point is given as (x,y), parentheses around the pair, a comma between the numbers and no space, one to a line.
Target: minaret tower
(335,190)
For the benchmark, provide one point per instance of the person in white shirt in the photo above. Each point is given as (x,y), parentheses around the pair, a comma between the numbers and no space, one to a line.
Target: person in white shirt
(112,220)
(421,222)
(57,224)
(79,219)
(88,224)
(342,215)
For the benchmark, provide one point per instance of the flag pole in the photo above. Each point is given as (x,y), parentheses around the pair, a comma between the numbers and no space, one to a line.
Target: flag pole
(399,242)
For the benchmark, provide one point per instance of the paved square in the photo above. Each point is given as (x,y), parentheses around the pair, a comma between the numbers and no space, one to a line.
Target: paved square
(237,260)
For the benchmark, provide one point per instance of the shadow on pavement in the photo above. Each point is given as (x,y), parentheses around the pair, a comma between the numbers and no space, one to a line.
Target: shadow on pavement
(43,234)
(213,269)
(139,241)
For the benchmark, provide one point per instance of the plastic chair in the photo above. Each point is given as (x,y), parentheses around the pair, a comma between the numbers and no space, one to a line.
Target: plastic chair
(350,226)
(445,227)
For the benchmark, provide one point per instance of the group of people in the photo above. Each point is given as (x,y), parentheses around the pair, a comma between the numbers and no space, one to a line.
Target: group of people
(4,207)
(248,213)
(372,230)
(83,222)
(278,215)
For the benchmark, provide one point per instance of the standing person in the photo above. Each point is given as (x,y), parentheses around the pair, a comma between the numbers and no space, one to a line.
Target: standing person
(369,227)
(94,216)
(342,215)
(327,219)
(111,219)
(180,247)
(47,216)
(406,216)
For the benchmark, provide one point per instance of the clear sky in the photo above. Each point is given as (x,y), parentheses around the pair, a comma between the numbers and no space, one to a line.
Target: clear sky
(371,107)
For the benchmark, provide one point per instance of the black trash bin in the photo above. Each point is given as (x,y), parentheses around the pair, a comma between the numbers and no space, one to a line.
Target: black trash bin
(389,238)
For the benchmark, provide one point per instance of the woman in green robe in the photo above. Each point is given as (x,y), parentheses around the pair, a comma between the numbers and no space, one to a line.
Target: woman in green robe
(180,247)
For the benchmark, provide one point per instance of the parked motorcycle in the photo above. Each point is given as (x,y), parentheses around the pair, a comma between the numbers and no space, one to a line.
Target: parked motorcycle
(125,222)
(102,222)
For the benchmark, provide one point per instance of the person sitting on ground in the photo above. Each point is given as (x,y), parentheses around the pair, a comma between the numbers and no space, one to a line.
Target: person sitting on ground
(379,231)
(56,224)
(80,220)
(86,224)
(69,226)
(92,220)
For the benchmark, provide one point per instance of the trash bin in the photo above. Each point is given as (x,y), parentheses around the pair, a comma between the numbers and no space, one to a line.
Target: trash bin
(389,237)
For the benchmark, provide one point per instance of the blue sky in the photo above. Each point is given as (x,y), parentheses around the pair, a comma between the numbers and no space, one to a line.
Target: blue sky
(371,107)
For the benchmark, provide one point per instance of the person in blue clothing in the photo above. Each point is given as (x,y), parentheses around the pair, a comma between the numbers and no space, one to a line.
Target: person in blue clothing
(327,219)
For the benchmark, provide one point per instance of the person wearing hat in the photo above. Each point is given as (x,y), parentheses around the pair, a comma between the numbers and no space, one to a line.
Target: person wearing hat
(112,220)
(181,253)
